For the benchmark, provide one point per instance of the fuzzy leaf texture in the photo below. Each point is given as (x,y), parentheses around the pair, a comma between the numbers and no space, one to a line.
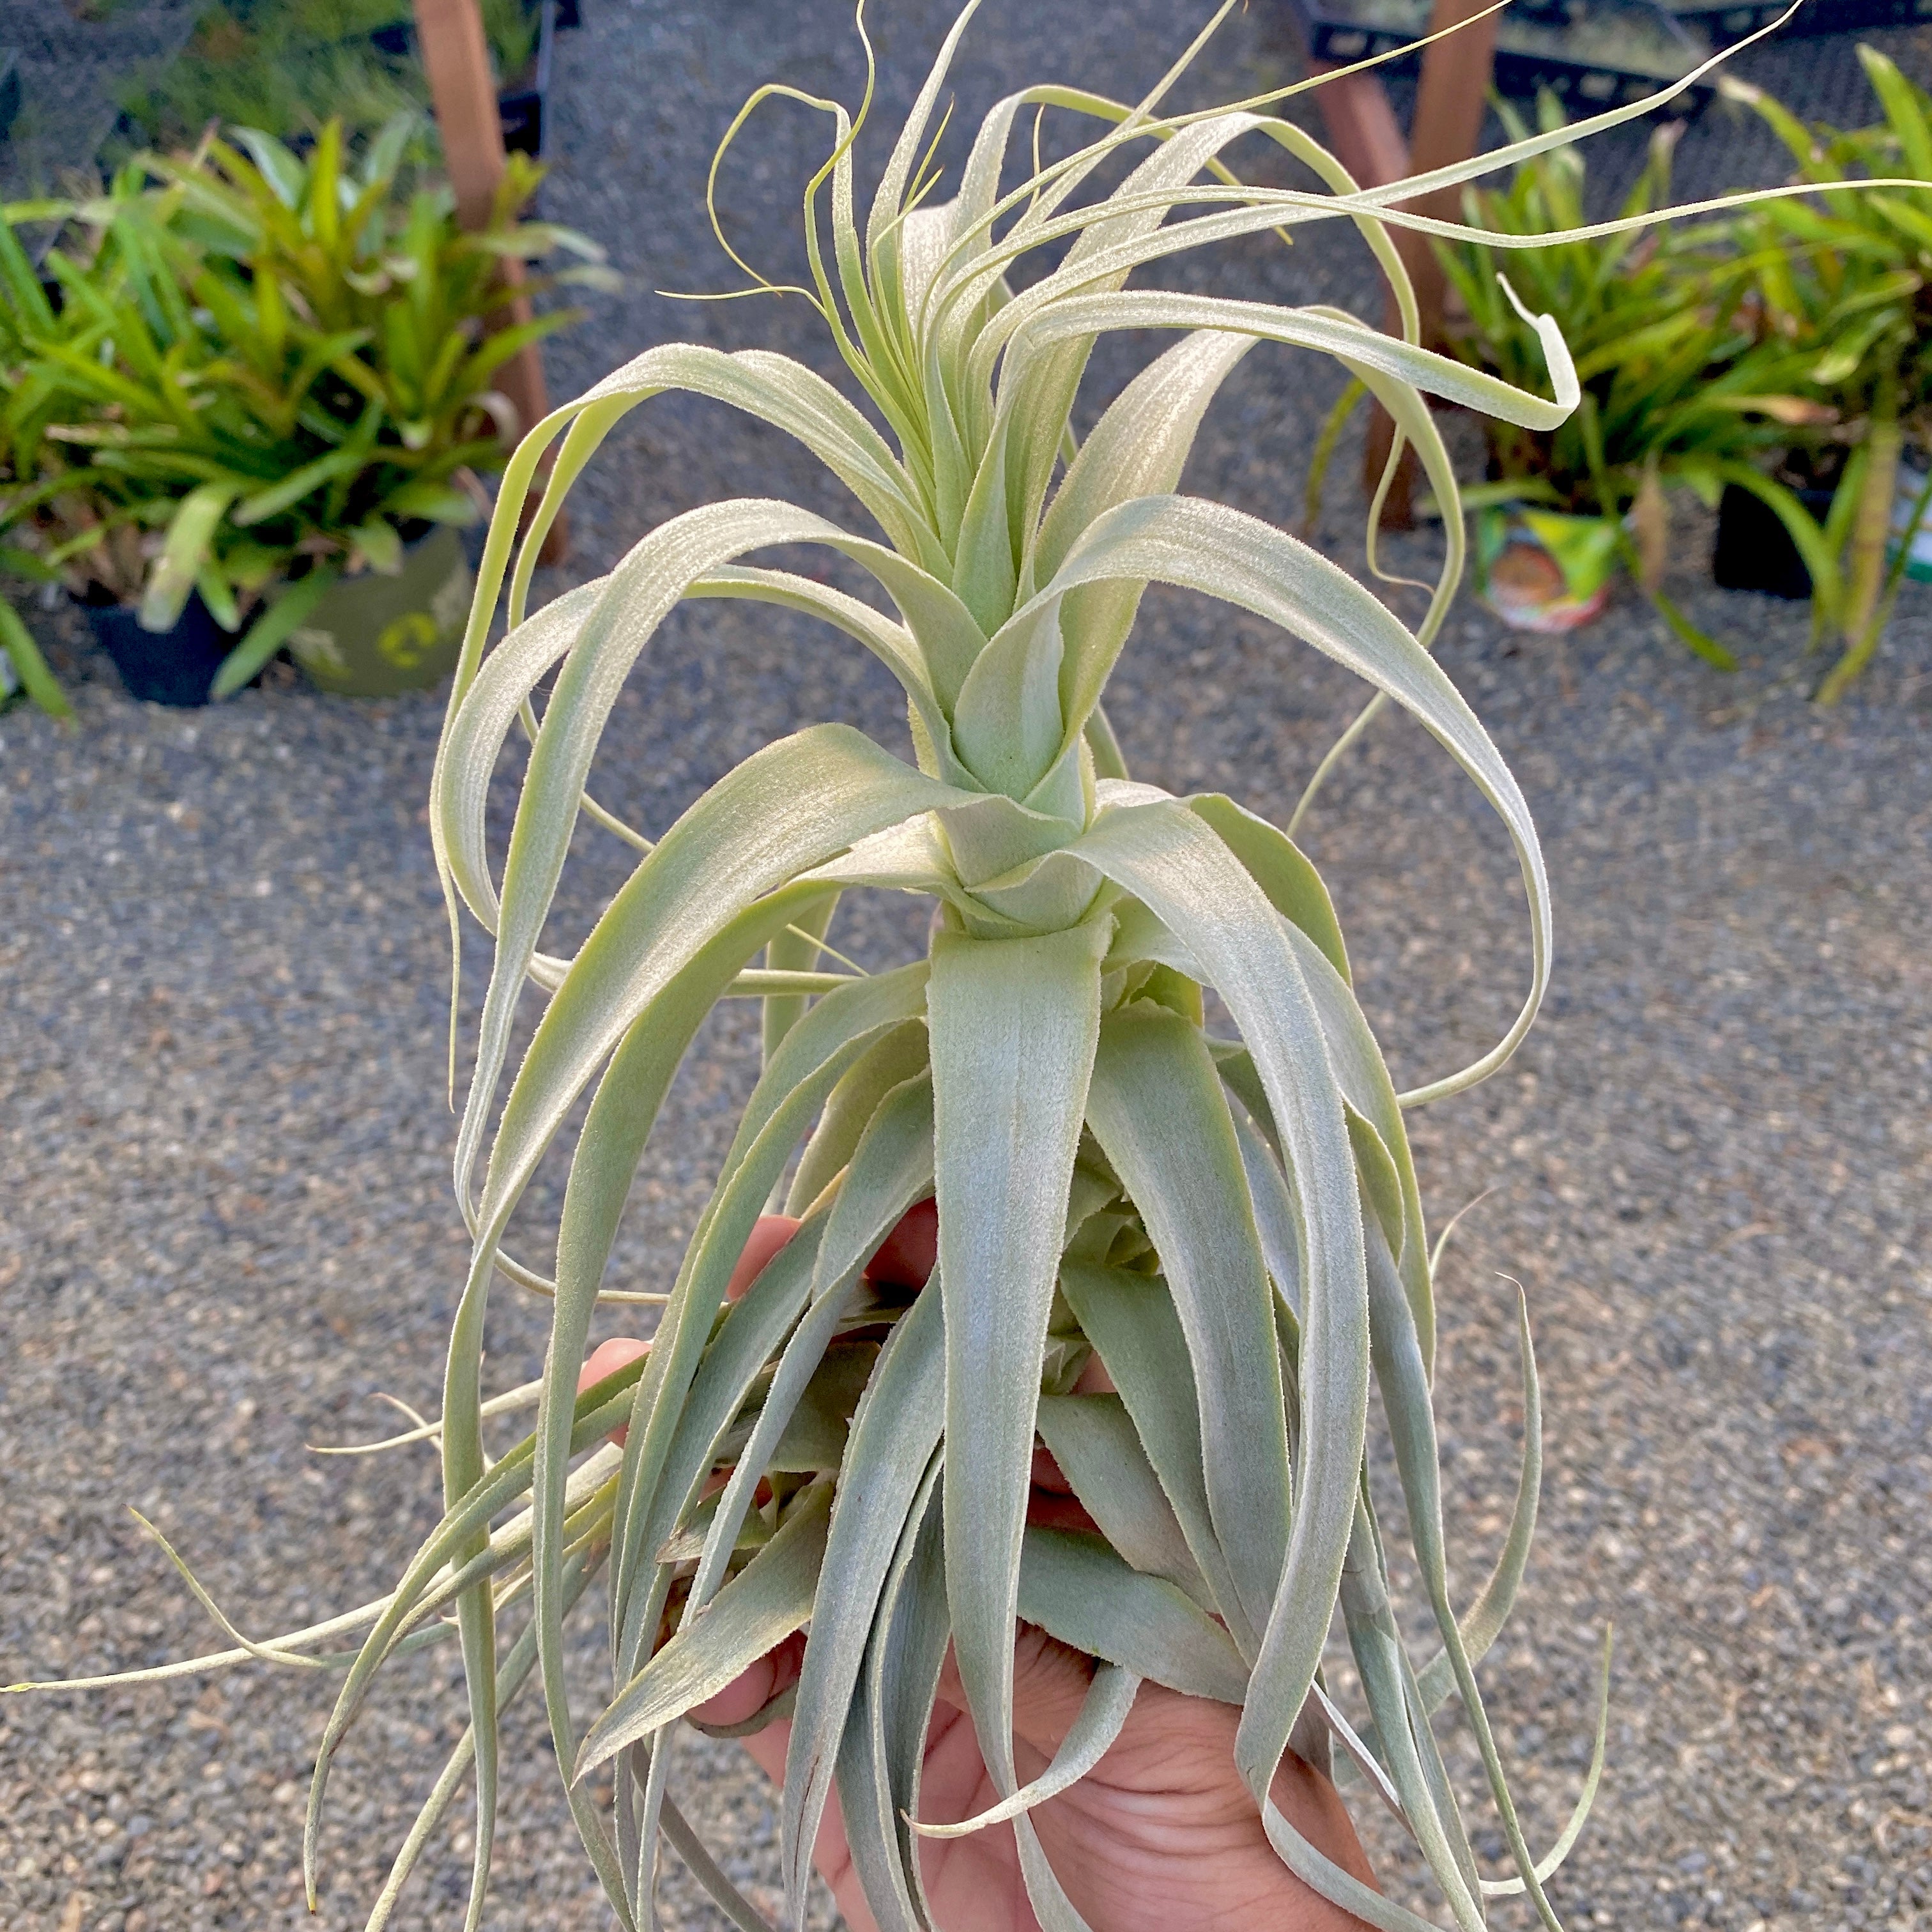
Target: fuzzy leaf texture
(1229,1230)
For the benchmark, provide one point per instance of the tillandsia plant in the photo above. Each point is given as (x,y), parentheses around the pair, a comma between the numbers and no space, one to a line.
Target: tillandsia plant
(269,370)
(1229,1227)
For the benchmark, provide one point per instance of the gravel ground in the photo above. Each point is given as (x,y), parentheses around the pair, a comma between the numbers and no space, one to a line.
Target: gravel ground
(72,58)
(227,1225)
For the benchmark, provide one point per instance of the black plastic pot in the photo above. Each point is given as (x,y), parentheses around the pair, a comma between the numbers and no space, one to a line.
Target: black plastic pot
(521,105)
(173,666)
(1725,26)
(1541,46)
(1754,550)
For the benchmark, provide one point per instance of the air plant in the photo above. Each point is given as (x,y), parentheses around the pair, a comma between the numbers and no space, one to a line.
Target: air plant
(1231,1226)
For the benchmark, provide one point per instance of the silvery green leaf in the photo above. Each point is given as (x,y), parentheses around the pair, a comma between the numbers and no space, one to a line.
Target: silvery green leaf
(1172,861)
(1138,448)
(1103,1712)
(1206,547)
(1511,1887)
(893,1435)
(1403,1379)
(797,949)
(1078,1590)
(511,1675)
(669,1447)
(1093,1440)
(1278,865)
(672,896)
(891,1169)
(1013,1025)
(703,1867)
(1157,1109)
(760,1606)
(785,808)
(1131,1321)
(1485,1617)
(897,1056)
(1006,725)
(1412,1758)
(1079,316)
(673,1439)
(1364,1080)
(621,1118)
(1275,1216)
(883,1756)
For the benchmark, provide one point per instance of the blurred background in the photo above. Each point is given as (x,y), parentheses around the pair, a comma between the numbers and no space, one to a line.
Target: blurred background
(1697,631)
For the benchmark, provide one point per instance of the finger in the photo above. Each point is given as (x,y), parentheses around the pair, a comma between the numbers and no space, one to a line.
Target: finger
(606,1359)
(906,1257)
(1050,1684)
(749,1693)
(1051,1504)
(1094,1378)
(768,1234)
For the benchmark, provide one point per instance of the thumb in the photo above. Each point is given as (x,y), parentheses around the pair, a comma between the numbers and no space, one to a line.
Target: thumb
(1051,1682)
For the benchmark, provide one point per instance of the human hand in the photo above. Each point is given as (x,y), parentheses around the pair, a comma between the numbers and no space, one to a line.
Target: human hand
(1160,1836)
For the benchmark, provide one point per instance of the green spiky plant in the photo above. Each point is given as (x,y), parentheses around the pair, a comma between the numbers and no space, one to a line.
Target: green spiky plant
(1844,275)
(1232,1227)
(1679,390)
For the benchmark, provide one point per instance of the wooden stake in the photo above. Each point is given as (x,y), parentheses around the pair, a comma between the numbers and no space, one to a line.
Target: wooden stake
(1363,132)
(456,56)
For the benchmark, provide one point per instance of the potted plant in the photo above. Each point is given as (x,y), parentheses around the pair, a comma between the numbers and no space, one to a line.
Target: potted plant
(1679,388)
(69,517)
(1844,278)
(1230,1228)
(257,415)
(288,66)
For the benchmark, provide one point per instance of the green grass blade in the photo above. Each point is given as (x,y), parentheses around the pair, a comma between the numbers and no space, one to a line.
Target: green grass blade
(271,630)
(29,666)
